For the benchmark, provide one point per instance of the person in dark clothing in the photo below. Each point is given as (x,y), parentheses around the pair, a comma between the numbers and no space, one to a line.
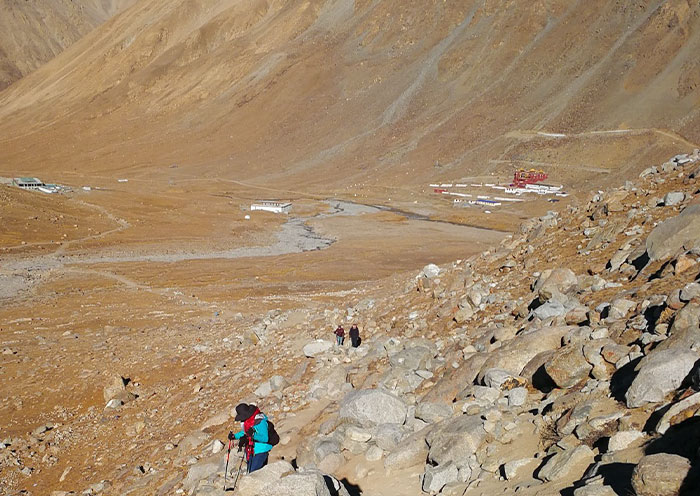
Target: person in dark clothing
(355,336)
(340,335)
(255,428)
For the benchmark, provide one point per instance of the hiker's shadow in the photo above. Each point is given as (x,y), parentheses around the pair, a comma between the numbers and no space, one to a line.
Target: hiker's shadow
(352,489)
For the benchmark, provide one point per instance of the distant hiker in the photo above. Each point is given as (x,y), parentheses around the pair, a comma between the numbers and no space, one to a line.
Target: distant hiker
(255,429)
(355,336)
(340,335)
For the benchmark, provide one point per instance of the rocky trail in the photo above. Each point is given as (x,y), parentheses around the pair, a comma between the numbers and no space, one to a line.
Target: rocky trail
(564,361)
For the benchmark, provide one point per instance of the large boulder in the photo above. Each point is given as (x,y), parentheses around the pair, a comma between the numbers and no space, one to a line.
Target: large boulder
(556,280)
(432,412)
(413,358)
(659,373)
(661,474)
(516,353)
(333,380)
(568,367)
(115,389)
(308,483)
(435,478)
(205,469)
(452,380)
(566,464)
(388,436)
(455,440)
(410,452)
(374,406)
(255,483)
(685,330)
(676,234)
(317,347)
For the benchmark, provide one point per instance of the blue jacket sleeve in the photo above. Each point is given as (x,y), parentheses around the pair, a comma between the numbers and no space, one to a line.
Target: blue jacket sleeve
(260,432)
(239,435)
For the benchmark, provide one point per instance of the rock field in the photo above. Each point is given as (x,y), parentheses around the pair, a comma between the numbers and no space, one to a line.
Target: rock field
(564,361)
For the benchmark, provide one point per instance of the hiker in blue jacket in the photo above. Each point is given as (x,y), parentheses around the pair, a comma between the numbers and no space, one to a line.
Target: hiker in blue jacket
(255,429)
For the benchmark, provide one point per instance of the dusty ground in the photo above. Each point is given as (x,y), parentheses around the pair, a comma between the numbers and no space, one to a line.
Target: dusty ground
(133,289)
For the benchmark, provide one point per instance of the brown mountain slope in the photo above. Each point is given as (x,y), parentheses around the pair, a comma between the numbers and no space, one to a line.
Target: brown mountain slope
(308,93)
(32,33)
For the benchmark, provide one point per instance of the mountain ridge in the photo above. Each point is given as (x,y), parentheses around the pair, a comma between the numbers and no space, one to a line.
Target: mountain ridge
(261,91)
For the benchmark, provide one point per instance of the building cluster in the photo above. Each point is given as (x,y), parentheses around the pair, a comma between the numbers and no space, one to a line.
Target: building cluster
(36,184)
(524,183)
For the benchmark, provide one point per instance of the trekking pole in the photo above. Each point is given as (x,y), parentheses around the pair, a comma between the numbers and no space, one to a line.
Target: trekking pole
(228,454)
(238,474)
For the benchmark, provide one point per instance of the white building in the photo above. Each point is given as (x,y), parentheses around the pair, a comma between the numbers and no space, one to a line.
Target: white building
(273,206)
(28,182)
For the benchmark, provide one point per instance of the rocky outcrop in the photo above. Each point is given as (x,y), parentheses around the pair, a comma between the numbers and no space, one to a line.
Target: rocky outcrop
(675,235)
(373,406)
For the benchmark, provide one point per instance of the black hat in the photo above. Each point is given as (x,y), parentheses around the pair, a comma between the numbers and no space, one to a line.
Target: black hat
(244,411)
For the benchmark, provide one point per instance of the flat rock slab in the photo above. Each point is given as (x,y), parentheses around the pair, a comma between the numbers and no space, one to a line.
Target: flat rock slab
(564,464)
(373,406)
(659,373)
(675,234)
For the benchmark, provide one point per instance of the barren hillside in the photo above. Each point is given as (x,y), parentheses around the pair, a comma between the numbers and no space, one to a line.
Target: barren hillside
(365,92)
(32,33)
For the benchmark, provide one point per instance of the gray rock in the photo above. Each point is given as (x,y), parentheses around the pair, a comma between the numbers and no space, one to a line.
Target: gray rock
(659,373)
(673,198)
(516,353)
(255,483)
(685,330)
(511,468)
(620,307)
(455,440)
(681,232)
(677,412)
(452,380)
(563,464)
(463,314)
(325,447)
(410,452)
(501,380)
(485,393)
(595,489)
(568,367)
(660,475)
(307,483)
(622,439)
(333,380)
(432,412)
(358,434)
(413,358)
(115,388)
(191,441)
(648,172)
(278,383)
(517,396)
(552,308)
(203,470)
(374,453)
(317,347)
(430,271)
(435,478)
(388,436)
(690,291)
(561,280)
(263,390)
(373,406)
(114,403)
